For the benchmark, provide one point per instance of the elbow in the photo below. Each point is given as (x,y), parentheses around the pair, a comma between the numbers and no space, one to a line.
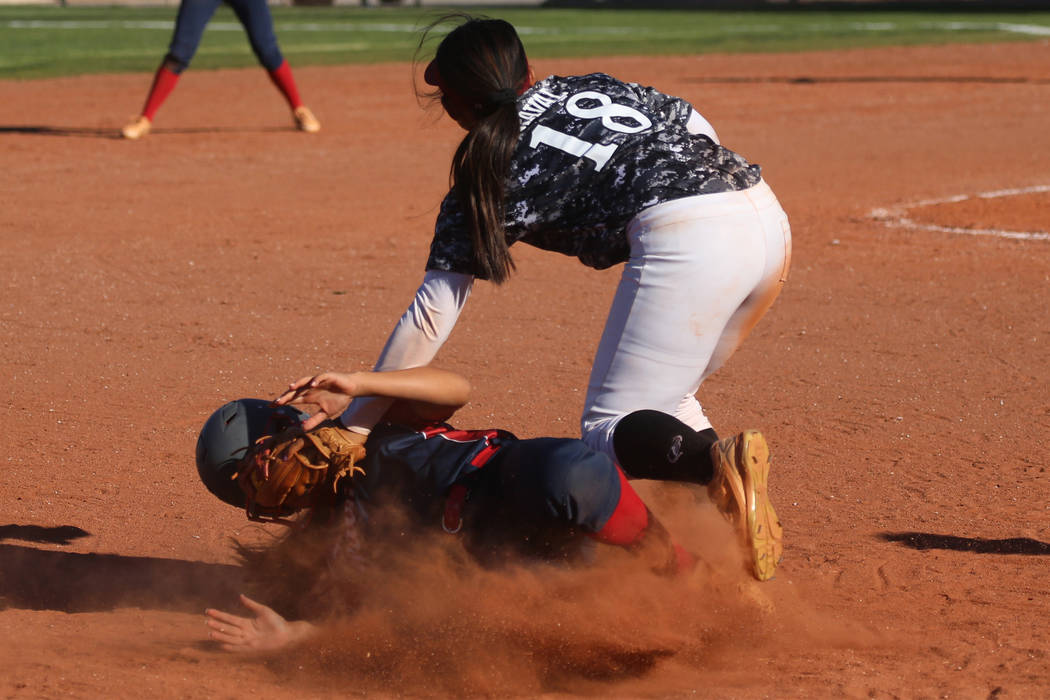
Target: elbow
(461,391)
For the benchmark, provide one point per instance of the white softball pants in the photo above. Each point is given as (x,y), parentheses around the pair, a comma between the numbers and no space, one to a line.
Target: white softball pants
(703,270)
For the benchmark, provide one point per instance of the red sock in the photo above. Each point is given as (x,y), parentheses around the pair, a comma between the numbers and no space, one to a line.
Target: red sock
(684,559)
(632,526)
(629,521)
(163,83)
(282,78)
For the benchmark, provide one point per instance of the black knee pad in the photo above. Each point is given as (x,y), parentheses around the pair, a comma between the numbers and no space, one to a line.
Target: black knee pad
(655,445)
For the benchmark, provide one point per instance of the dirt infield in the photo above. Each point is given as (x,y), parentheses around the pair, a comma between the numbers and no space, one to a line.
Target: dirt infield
(901,379)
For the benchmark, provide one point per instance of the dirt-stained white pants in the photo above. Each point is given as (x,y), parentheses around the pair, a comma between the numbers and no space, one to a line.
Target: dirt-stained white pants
(703,270)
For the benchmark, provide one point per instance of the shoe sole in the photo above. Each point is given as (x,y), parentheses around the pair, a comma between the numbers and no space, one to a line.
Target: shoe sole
(745,464)
(765,534)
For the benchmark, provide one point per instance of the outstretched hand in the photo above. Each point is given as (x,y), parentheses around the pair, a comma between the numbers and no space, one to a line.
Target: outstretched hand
(266,631)
(330,392)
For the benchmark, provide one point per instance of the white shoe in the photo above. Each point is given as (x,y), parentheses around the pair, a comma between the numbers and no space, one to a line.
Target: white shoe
(305,120)
(137,129)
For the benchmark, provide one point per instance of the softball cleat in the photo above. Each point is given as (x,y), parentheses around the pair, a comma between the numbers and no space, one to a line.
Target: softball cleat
(739,490)
(136,129)
(305,120)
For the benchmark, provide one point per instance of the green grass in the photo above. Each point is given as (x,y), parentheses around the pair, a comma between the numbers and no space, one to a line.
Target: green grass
(45,41)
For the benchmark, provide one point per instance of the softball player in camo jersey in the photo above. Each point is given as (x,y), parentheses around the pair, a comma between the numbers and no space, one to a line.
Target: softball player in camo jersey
(610,172)
(192,18)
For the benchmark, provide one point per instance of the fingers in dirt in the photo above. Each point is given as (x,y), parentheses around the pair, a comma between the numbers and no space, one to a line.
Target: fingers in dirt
(221,617)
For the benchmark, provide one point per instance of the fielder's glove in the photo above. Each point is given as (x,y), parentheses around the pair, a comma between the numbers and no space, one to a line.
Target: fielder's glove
(291,470)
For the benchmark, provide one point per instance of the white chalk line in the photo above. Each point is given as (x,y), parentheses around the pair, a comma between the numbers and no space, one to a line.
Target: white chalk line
(897,216)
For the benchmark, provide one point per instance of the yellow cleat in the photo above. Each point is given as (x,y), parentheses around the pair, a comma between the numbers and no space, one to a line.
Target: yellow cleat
(136,129)
(305,120)
(739,490)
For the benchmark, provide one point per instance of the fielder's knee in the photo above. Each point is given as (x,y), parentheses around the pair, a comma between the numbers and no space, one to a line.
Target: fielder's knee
(655,445)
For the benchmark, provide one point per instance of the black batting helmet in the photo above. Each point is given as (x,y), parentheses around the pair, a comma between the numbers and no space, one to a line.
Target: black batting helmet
(226,437)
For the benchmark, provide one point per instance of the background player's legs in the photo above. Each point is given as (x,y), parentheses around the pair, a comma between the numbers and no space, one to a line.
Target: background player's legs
(694,263)
(190,22)
(255,17)
(164,81)
(258,23)
(192,17)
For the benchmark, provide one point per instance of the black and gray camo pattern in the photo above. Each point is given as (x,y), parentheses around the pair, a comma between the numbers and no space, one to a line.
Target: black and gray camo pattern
(580,205)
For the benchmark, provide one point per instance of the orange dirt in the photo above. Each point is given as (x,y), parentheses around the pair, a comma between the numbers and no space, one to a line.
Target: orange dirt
(901,379)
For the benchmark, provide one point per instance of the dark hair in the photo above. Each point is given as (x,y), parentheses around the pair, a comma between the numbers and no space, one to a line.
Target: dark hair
(483,63)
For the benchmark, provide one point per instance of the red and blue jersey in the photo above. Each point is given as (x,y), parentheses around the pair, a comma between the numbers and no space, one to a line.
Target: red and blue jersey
(514,485)
(428,460)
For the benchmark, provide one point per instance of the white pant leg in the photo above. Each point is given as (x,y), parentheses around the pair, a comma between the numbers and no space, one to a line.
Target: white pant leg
(702,272)
(778,260)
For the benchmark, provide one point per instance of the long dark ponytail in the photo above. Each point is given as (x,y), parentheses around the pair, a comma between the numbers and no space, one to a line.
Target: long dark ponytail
(483,64)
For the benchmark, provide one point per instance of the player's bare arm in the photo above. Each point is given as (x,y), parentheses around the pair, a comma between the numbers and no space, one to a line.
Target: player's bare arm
(266,630)
(428,393)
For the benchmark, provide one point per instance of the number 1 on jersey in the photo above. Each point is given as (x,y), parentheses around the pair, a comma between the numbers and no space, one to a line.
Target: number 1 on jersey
(597,152)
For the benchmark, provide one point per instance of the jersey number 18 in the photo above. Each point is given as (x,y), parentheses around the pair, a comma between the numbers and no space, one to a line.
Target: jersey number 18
(599,153)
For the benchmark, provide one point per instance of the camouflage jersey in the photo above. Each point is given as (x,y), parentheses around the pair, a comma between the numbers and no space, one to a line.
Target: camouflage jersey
(592,153)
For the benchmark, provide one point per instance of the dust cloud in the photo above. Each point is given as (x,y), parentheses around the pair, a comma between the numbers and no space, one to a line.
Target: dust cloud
(425,619)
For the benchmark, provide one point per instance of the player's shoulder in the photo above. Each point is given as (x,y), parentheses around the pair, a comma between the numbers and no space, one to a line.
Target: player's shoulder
(545,97)
(557,88)
(575,83)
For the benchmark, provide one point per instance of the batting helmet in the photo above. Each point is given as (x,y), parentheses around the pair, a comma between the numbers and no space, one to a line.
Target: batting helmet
(226,437)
